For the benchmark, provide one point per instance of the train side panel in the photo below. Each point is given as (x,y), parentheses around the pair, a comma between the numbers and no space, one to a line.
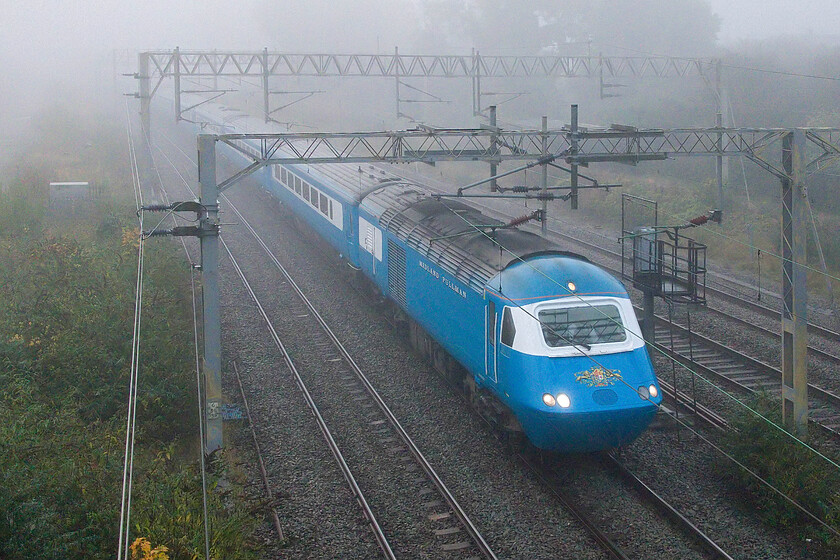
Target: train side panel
(449,311)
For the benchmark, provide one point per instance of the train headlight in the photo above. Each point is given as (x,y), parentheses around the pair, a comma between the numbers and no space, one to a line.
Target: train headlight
(654,392)
(644,393)
(548,399)
(563,400)
(571,286)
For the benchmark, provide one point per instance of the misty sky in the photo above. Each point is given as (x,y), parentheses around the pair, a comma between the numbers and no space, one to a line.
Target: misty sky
(759,19)
(47,44)
(62,26)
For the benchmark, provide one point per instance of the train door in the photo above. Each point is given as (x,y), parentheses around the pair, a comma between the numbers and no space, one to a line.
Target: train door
(490,342)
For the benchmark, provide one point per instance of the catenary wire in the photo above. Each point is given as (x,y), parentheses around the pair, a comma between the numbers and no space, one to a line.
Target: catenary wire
(128,465)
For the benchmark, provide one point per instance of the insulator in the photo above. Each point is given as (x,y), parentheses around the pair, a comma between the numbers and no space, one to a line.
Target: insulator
(520,220)
(520,189)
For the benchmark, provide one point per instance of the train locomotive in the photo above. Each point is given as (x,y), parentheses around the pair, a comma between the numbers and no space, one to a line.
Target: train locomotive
(545,342)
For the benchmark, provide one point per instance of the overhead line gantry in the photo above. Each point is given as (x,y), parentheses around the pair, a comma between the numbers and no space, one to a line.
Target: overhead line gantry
(573,145)
(178,64)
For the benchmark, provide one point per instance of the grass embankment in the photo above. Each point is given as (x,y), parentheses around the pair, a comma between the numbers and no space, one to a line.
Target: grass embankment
(796,471)
(67,284)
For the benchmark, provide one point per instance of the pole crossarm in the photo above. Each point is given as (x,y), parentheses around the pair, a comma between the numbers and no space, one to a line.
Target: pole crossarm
(256,63)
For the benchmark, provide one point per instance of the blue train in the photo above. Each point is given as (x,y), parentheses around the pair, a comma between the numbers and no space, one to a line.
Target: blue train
(544,342)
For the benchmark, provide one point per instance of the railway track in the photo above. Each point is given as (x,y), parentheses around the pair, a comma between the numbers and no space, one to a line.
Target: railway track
(680,400)
(741,372)
(453,534)
(558,481)
(446,519)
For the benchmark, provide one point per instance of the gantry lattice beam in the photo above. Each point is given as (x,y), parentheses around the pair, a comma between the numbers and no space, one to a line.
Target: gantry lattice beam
(582,147)
(256,64)
(265,64)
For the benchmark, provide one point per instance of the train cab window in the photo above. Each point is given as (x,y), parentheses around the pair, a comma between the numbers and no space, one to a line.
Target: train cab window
(325,205)
(592,324)
(508,328)
(491,323)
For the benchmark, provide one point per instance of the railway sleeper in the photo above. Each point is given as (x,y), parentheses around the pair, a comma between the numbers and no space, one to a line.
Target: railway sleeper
(714,360)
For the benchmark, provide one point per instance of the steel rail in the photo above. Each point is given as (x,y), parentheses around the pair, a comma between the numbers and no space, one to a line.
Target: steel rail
(600,536)
(818,394)
(379,534)
(263,473)
(453,504)
(772,372)
(681,399)
(662,504)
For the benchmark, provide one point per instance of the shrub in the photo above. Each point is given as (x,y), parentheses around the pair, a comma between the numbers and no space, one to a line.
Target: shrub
(790,467)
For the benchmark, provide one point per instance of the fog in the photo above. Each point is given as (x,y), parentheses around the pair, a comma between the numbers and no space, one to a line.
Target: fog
(762,19)
(58,51)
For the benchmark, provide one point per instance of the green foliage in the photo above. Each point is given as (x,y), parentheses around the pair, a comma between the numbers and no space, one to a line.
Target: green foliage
(67,282)
(169,509)
(790,467)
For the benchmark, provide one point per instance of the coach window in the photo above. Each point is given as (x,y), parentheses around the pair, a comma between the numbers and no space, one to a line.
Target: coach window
(508,328)
(305,190)
(325,206)
(313,196)
(330,203)
(283,176)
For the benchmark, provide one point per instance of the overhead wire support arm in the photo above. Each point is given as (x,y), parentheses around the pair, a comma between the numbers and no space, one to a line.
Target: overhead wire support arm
(592,180)
(542,161)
